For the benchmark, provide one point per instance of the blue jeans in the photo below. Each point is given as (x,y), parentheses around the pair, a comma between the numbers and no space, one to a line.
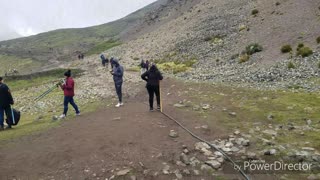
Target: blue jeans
(7,111)
(67,100)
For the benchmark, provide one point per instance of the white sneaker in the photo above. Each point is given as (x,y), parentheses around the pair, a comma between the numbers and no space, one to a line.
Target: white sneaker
(77,114)
(118,105)
(121,104)
(62,116)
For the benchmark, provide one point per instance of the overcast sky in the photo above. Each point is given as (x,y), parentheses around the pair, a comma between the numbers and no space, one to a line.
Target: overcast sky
(29,17)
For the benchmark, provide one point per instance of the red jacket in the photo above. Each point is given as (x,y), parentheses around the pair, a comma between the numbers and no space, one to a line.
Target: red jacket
(68,87)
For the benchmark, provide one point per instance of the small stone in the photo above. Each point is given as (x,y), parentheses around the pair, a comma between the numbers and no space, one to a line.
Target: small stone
(251,155)
(55,118)
(186,172)
(235,149)
(173,134)
(206,106)
(179,163)
(214,164)
(309,122)
(184,159)
(196,108)
(133,177)
(234,114)
(179,105)
(123,172)
(236,132)
(205,167)
(270,132)
(205,127)
(270,117)
(201,145)
(166,169)
(246,143)
(196,172)
(270,152)
(186,151)
(308,149)
(178,174)
(116,119)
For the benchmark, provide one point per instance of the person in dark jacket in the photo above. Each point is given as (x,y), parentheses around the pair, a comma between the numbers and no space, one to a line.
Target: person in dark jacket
(111,63)
(143,67)
(68,90)
(103,60)
(153,78)
(5,101)
(117,73)
(147,65)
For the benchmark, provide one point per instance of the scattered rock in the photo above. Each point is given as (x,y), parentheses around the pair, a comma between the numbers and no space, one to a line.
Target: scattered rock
(201,145)
(270,117)
(251,156)
(123,172)
(166,169)
(234,114)
(55,118)
(205,167)
(206,106)
(196,108)
(179,105)
(196,172)
(270,132)
(214,164)
(270,152)
(173,134)
(184,158)
(236,132)
(186,172)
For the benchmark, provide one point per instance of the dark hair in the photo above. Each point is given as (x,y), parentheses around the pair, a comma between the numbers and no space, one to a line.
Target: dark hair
(68,73)
(1,78)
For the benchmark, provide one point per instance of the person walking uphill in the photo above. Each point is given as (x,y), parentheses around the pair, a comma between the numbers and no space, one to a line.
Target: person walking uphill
(117,73)
(153,78)
(5,101)
(68,90)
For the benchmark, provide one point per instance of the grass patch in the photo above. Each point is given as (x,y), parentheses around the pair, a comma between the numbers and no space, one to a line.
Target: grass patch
(304,51)
(134,69)
(318,40)
(103,47)
(36,79)
(291,65)
(286,48)
(255,12)
(175,67)
(253,48)
(244,58)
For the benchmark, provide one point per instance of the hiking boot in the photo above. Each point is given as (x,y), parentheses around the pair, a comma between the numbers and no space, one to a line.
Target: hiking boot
(62,116)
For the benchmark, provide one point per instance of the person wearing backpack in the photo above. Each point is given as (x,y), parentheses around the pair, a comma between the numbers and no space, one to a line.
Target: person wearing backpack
(153,77)
(6,101)
(68,90)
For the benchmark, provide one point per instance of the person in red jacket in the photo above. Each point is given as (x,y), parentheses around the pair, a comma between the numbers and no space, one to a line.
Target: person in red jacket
(68,90)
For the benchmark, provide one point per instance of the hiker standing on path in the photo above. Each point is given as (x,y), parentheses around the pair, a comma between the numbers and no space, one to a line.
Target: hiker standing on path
(6,101)
(103,60)
(68,89)
(147,65)
(143,67)
(117,73)
(153,78)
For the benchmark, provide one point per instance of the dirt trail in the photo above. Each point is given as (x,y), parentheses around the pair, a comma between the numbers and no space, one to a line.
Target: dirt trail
(93,145)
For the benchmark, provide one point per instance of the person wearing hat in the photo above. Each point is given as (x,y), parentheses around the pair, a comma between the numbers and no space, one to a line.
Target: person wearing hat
(68,89)
(117,73)
(5,101)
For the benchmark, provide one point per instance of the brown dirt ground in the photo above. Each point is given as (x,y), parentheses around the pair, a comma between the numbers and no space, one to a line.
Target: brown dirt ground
(94,145)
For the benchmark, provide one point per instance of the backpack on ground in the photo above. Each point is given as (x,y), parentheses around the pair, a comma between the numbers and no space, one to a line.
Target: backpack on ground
(15,117)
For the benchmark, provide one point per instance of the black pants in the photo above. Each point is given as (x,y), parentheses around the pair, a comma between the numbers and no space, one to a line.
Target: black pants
(5,110)
(153,90)
(119,91)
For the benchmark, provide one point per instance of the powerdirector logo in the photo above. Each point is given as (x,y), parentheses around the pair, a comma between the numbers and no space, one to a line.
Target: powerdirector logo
(261,167)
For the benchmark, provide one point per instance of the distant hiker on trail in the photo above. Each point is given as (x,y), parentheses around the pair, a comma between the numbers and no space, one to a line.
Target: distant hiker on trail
(143,67)
(117,73)
(6,101)
(111,62)
(103,60)
(147,65)
(79,56)
(68,89)
(153,78)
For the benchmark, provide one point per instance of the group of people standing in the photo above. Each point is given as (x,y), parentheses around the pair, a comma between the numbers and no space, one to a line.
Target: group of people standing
(151,75)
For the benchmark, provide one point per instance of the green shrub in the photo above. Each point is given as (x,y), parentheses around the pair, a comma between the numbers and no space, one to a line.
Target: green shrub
(103,47)
(291,65)
(304,52)
(244,58)
(253,48)
(318,40)
(255,12)
(286,48)
(300,45)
